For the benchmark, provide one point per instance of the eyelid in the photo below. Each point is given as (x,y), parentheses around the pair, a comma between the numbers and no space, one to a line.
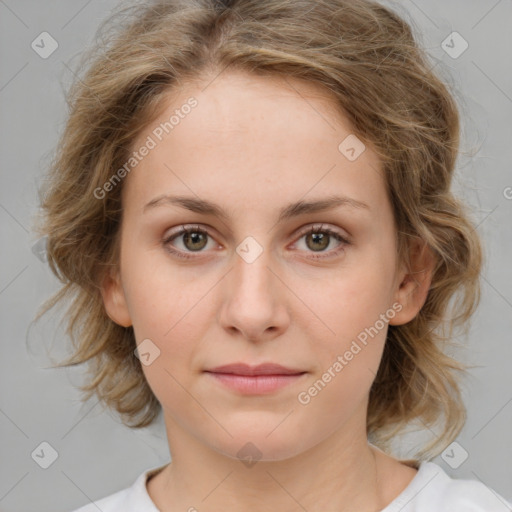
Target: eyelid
(313,228)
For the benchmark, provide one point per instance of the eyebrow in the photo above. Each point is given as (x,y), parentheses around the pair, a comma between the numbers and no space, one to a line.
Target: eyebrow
(206,207)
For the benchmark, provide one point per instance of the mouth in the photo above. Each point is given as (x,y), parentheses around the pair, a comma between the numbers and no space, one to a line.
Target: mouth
(255,380)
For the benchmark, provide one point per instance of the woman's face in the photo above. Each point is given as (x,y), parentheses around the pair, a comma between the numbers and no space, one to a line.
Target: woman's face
(262,168)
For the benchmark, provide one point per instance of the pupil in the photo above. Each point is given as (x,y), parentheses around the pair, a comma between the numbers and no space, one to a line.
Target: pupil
(195,238)
(321,238)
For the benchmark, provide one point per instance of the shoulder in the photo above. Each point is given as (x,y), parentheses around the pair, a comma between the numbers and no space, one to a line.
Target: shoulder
(432,489)
(134,498)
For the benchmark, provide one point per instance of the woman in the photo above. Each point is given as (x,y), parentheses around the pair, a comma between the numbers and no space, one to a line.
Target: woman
(251,208)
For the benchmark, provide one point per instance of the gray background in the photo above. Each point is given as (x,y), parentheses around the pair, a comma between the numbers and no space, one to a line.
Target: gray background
(97,455)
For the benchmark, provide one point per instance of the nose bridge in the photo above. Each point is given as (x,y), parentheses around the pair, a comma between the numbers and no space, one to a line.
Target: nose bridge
(252,278)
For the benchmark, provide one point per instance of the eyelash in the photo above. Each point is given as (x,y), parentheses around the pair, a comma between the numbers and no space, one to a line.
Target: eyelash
(314,229)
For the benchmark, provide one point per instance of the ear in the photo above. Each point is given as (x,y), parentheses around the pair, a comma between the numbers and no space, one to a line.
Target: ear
(114,299)
(414,282)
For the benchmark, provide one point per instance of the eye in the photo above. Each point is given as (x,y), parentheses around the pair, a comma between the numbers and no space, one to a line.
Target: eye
(318,238)
(194,239)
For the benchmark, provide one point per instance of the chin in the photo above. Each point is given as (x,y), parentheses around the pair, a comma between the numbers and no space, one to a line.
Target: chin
(253,445)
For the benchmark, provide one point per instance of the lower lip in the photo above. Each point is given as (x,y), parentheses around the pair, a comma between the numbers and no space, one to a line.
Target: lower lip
(255,384)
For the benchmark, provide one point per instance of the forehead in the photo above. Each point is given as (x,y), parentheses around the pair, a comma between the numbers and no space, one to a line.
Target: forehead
(247,134)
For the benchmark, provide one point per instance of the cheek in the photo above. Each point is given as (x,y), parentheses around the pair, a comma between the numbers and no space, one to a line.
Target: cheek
(356,309)
(166,307)
(160,295)
(347,360)
(357,296)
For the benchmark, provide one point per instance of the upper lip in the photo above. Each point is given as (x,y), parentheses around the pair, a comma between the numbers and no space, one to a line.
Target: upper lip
(261,369)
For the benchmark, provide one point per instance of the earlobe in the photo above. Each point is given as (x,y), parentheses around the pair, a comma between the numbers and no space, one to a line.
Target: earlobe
(415,283)
(114,299)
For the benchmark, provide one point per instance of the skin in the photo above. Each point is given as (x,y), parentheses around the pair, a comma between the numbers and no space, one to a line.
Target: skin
(253,145)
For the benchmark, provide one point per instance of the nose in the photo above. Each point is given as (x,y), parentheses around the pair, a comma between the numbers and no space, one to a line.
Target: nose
(254,303)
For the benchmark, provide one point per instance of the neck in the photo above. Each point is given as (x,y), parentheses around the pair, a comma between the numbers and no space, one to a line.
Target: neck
(342,473)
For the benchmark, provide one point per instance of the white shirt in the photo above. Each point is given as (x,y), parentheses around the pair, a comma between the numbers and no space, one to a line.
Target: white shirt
(431,490)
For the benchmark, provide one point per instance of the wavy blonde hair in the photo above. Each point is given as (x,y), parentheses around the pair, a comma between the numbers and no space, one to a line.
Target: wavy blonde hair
(366,56)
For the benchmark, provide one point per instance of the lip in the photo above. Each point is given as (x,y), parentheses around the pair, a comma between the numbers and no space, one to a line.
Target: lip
(255,380)
(260,369)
